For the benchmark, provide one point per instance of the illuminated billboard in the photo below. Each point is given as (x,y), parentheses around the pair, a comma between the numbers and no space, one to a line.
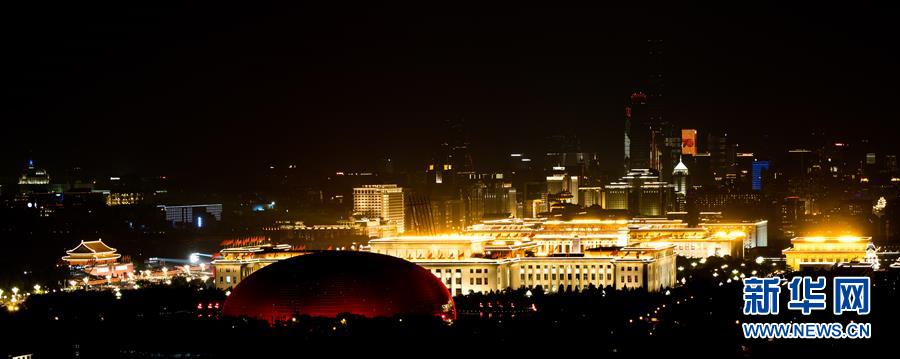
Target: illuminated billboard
(688,142)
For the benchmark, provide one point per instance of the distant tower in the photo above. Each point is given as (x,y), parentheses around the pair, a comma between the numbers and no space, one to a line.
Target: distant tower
(758,171)
(638,133)
(680,179)
(649,140)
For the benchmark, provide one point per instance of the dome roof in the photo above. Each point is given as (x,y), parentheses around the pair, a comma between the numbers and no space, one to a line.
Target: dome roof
(325,284)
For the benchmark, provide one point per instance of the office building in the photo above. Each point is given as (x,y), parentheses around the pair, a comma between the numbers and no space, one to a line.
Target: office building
(195,214)
(381,201)
(759,169)
(591,196)
(641,193)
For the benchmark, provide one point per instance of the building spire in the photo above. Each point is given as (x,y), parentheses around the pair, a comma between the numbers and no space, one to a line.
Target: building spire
(680,167)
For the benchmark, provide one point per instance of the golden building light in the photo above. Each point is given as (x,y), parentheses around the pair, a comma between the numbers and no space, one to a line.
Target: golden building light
(824,252)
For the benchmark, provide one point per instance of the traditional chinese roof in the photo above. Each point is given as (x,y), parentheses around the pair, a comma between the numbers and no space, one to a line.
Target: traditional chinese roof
(91,252)
(92,247)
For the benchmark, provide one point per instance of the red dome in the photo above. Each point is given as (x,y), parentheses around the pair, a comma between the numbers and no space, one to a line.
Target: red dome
(326,284)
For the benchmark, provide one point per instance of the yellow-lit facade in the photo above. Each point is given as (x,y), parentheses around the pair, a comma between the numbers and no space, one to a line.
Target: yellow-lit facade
(513,253)
(554,237)
(754,233)
(237,263)
(382,201)
(124,198)
(479,263)
(824,252)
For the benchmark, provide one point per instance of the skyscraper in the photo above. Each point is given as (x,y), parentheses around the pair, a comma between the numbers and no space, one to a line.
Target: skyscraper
(650,142)
(638,133)
(680,180)
(640,192)
(384,201)
(757,169)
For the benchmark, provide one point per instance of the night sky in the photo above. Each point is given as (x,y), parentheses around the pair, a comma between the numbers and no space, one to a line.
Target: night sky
(214,89)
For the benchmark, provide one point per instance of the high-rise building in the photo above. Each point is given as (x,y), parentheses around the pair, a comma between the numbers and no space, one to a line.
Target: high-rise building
(591,196)
(680,180)
(555,183)
(617,195)
(383,201)
(500,198)
(573,188)
(670,151)
(654,198)
(196,214)
(638,133)
(640,192)
(720,159)
(758,171)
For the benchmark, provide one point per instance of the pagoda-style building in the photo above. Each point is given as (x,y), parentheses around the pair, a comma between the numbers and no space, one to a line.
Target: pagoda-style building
(96,258)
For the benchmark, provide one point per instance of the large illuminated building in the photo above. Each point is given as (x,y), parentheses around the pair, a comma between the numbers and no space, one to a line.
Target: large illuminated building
(328,284)
(825,252)
(232,265)
(381,201)
(97,259)
(512,253)
(471,263)
(34,179)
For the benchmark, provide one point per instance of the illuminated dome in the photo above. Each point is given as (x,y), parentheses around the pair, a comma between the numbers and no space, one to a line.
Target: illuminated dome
(326,284)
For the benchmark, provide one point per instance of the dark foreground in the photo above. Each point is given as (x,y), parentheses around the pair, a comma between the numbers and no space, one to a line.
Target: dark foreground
(698,319)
